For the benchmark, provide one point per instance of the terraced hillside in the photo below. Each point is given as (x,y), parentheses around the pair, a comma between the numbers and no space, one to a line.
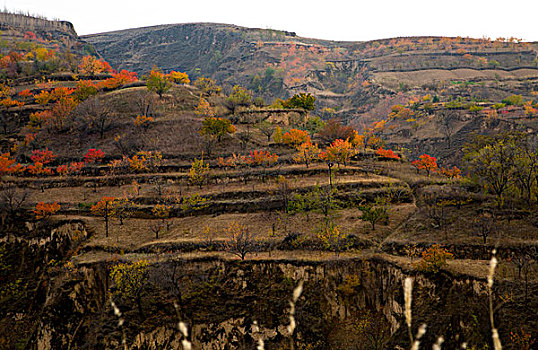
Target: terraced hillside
(128,205)
(343,75)
(194,229)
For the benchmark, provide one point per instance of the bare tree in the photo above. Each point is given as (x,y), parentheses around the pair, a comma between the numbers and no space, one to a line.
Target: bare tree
(241,240)
(447,120)
(12,199)
(266,128)
(95,116)
(484,224)
(145,103)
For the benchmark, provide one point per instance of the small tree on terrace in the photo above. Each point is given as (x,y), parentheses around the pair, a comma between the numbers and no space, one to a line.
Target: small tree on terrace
(339,151)
(239,97)
(303,100)
(214,128)
(207,85)
(425,162)
(122,208)
(94,156)
(491,160)
(334,130)
(295,137)
(204,109)
(44,210)
(434,258)
(333,238)
(157,82)
(266,128)
(374,212)
(306,153)
(198,172)
(104,208)
(241,240)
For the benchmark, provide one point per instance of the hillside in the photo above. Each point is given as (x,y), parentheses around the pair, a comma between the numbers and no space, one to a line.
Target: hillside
(357,82)
(343,75)
(132,202)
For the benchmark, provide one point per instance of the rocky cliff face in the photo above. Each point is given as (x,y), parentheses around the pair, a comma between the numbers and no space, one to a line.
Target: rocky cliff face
(346,304)
(59,35)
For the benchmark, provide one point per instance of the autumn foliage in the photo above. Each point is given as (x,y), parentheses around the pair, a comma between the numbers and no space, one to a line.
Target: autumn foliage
(93,155)
(92,65)
(118,80)
(178,77)
(453,173)
(261,157)
(338,152)
(104,208)
(434,258)
(386,154)
(8,165)
(44,156)
(295,137)
(425,162)
(306,153)
(43,210)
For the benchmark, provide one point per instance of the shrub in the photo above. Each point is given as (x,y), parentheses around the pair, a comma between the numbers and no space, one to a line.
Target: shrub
(93,155)
(434,258)
(44,156)
(386,153)
(514,100)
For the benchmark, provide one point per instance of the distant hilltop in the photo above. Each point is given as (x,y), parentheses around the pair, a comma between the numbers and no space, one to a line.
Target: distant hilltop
(29,22)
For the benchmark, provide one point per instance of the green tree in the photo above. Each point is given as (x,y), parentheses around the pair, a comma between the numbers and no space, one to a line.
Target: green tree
(303,100)
(375,212)
(515,100)
(198,172)
(490,160)
(216,127)
(213,129)
(239,97)
(157,82)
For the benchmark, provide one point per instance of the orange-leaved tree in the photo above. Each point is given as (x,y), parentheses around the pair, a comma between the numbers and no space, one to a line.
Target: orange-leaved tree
(434,258)
(118,79)
(340,151)
(8,165)
(104,208)
(91,65)
(261,157)
(425,162)
(44,210)
(453,173)
(295,137)
(386,153)
(306,153)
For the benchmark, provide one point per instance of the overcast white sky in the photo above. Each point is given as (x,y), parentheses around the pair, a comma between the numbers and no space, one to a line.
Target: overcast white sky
(335,20)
